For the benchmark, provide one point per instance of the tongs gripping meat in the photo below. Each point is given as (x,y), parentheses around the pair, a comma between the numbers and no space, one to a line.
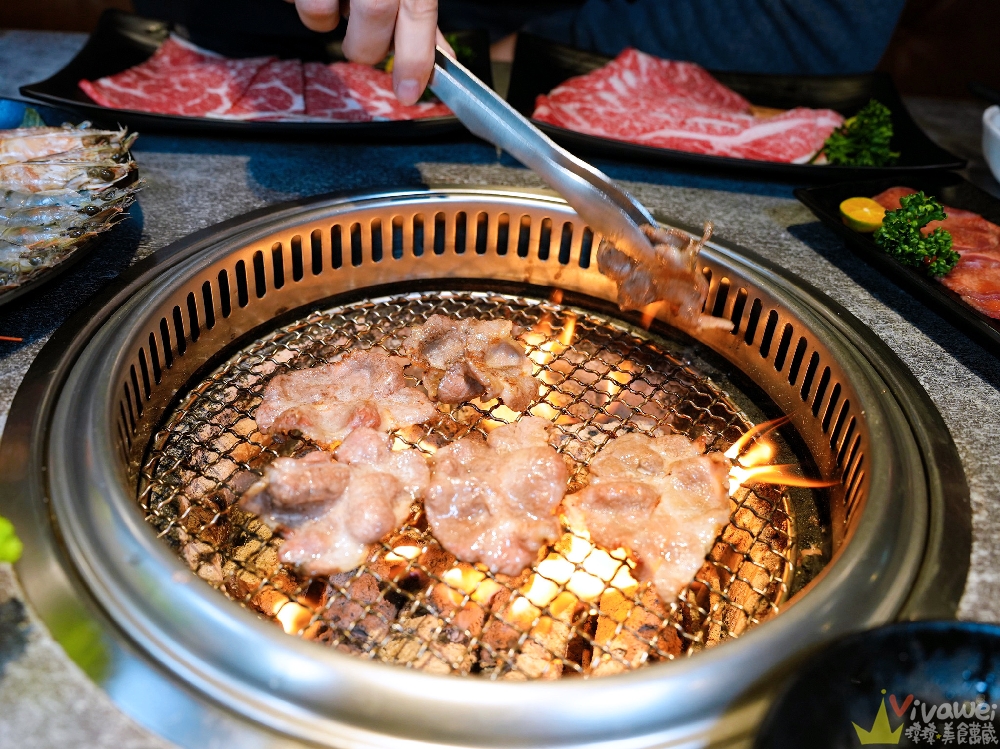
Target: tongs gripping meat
(675,279)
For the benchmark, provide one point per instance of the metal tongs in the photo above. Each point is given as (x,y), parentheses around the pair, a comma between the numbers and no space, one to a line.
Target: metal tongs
(607,208)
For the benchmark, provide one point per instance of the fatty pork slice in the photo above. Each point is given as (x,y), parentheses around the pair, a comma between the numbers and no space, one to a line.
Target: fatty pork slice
(675,277)
(495,501)
(178,79)
(466,359)
(331,509)
(325,403)
(662,498)
(276,92)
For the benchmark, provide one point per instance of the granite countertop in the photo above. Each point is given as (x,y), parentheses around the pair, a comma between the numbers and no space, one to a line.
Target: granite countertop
(46,701)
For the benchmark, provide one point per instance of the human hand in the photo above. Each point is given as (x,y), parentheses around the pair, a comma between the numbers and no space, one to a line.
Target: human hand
(376,26)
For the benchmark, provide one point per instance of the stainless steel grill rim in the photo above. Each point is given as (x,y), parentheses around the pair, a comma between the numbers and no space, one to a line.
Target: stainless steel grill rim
(308,694)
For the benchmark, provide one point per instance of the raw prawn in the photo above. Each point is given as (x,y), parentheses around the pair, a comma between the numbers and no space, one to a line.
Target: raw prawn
(58,192)
(85,201)
(117,152)
(40,176)
(73,226)
(64,213)
(26,144)
(17,261)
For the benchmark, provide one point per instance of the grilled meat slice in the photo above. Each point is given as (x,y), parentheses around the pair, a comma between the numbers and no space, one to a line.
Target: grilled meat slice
(494,502)
(331,510)
(325,403)
(674,278)
(466,359)
(663,498)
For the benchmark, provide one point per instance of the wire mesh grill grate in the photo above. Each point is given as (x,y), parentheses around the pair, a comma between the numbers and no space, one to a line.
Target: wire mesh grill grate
(577,611)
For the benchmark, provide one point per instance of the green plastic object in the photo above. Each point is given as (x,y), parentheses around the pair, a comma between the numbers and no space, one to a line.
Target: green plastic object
(10,545)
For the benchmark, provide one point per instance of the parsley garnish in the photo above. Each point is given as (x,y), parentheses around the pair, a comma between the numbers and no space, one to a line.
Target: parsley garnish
(900,235)
(863,140)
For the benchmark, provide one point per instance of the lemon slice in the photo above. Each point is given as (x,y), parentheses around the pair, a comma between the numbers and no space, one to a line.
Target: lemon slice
(862,214)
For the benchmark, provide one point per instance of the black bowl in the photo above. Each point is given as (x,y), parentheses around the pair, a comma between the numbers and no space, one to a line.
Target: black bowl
(899,685)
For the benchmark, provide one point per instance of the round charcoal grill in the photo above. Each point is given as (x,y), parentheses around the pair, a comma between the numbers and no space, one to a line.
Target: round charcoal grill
(144,439)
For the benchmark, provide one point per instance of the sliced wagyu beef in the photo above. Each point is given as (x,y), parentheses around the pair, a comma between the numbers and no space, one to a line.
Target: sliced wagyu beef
(178,79)
(642,99)
(182,79)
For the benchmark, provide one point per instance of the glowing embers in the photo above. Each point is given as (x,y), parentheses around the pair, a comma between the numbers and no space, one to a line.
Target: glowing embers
(576,611)
(751,455)
(544,623)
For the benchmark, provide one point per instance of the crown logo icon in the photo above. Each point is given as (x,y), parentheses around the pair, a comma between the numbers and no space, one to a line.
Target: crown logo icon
(881,732)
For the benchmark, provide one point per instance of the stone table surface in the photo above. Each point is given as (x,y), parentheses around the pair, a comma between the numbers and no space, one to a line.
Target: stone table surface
(46,701)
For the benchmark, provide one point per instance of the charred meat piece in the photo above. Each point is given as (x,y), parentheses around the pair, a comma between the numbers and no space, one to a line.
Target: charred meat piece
(663,498)
(494,501)
(364,389)
(466,359)
(675,279)
(331,510)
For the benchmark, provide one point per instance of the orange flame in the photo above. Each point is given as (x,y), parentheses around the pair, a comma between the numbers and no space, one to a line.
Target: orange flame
(752,435)
(569,329)
(751,454)
(786,475)
(757,454)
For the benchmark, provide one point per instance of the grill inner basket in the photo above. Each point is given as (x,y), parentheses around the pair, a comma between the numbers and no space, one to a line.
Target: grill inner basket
(578,610)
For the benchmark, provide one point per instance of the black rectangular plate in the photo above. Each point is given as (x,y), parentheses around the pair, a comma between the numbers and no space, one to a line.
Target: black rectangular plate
(122,40)
(11,116)
(949,189)
(541,65)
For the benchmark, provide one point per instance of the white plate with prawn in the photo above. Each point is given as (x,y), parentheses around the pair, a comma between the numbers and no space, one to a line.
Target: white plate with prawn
(62,184)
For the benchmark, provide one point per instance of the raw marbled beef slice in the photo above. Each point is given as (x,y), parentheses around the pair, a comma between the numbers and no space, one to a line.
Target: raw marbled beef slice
(635,73)
(372,89)
(678,105)
(327,96)
(176,52)
(277,89)
(208,86)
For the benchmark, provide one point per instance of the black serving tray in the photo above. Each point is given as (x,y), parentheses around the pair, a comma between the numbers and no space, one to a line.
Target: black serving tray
(540,65)
(949,189)
(123,40)
(11,116)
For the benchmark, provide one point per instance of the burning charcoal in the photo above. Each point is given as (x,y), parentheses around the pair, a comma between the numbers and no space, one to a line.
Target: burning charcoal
(361,612)
(420,642)
(625,631)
